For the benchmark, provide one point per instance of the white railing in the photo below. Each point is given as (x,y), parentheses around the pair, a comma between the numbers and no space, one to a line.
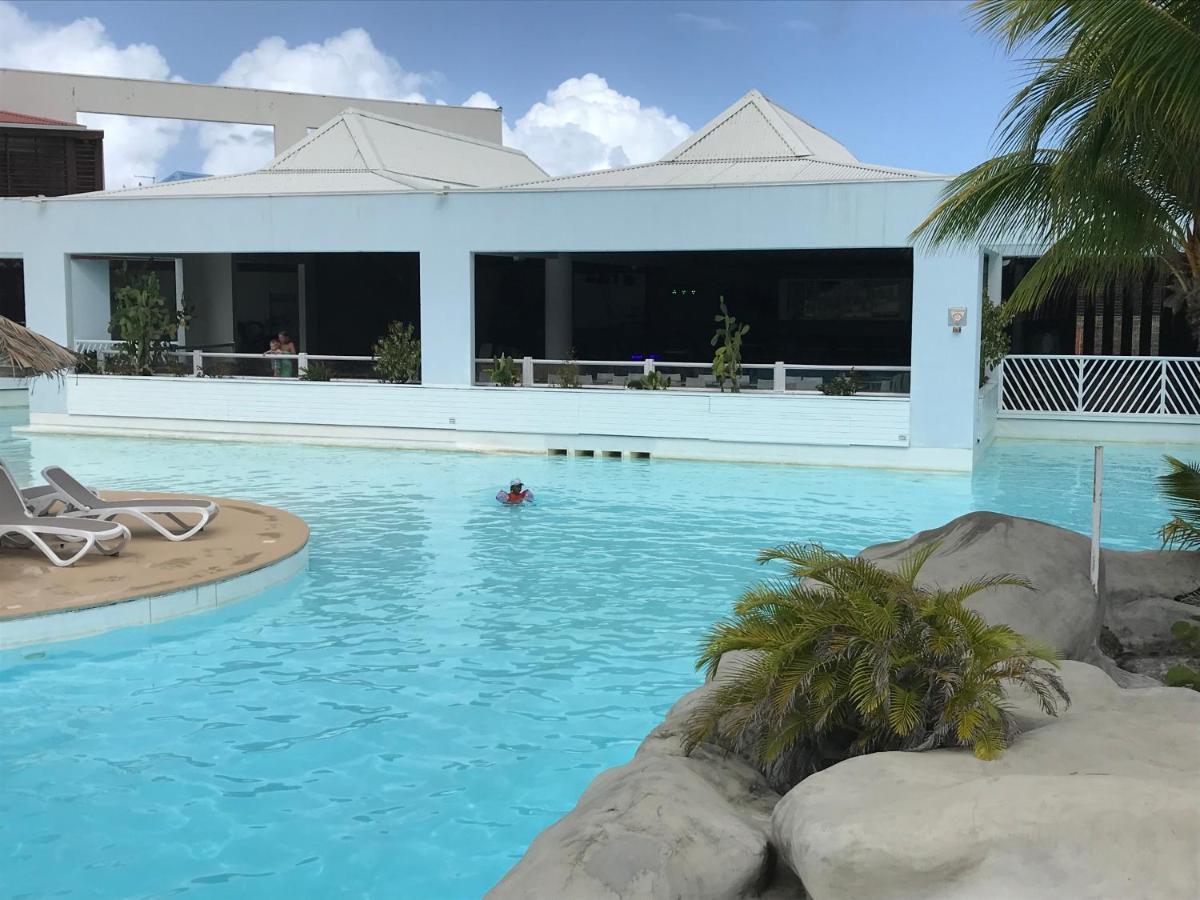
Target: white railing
(215,363)
(1163,386)
(777,377)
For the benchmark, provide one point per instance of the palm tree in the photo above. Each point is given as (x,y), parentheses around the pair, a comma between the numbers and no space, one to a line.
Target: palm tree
(1097,153)
(1182,488)
(849,658)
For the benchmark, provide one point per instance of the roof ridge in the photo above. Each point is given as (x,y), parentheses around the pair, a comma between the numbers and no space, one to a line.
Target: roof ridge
(784,109)
(765,109)
(438,131)
(363,143)
(306,141)
(771,113)
(811,160)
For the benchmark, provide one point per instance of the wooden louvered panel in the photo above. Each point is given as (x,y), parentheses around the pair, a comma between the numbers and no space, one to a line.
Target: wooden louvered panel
(36,161)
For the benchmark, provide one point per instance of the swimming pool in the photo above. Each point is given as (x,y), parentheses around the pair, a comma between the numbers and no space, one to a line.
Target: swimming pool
(449,675)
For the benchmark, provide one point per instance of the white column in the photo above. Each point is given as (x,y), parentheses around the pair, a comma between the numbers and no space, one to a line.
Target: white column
(302,294)
(48,312)
(995,283)
(945,365)
(208,291)
(181,331)
(447,315)
(558,307)
(90,302)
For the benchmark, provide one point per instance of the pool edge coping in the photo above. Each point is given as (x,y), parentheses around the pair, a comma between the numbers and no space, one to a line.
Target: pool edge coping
(72,624)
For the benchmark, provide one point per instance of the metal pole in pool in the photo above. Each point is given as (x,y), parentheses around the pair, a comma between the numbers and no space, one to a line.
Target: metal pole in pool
(1097,493)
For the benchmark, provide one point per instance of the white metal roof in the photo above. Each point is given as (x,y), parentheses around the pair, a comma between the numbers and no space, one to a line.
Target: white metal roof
(754,141)
(362,152)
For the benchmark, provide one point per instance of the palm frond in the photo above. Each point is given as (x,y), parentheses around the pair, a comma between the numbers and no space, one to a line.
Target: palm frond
(1181,487)
(1096,152)
(851,658)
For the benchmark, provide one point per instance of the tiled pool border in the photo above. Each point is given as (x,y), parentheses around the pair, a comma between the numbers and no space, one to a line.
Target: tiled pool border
(68,625)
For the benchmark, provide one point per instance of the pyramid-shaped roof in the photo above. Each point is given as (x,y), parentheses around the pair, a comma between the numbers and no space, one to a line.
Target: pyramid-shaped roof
(363,140)
(363,152)
(754,141)
(755,128)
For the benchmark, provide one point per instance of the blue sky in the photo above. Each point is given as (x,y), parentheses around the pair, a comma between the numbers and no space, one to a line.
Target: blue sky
(903,83)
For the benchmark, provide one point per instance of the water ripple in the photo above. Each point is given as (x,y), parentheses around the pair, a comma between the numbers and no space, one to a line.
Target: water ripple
(448,676)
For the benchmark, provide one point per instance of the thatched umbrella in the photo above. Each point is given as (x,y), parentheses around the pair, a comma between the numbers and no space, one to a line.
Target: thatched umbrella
(24,353)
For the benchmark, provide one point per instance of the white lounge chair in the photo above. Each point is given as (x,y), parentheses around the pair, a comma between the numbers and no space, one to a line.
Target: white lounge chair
(20,527)
(85,504)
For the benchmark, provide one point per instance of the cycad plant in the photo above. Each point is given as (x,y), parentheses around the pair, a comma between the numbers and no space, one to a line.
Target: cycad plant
(1181,486)
(727,360)
(849,658)
(1097,153)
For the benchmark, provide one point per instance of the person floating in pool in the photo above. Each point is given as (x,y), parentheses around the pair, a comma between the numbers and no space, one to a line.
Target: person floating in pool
(516,494)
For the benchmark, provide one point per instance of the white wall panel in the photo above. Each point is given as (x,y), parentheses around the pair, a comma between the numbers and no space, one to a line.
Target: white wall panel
(743,418)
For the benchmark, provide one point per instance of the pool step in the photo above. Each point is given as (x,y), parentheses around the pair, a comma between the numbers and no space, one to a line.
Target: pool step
(602,454)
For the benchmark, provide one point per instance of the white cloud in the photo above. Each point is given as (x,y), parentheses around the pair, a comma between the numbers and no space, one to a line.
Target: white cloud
(348,64)
(481,100)
(585,125)
(132,146)
(582,125)
(705,23)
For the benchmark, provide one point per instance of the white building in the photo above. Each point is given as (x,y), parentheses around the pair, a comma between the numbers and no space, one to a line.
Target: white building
(371,219)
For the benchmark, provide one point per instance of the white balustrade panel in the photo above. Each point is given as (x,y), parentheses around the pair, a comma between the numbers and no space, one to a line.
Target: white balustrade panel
(1100,386)
(740,418)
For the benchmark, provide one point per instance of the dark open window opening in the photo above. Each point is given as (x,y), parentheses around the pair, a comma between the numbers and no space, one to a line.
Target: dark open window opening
(1139,318)
(817,307)
(347,300)
(12,290)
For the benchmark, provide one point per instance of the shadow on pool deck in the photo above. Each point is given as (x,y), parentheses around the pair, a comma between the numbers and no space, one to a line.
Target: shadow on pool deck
(243,538)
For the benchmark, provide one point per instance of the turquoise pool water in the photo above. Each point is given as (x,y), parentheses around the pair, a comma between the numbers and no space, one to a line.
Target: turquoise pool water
(448,676)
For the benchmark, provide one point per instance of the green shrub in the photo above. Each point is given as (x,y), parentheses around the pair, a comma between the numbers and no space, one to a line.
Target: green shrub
(568,373)
(503,371)
(1181,486)
(146,324)
(398,355)
(849,658)
(727,360)
(841,385)
(653,380)
(316,371)
(1187,637)
(994,339)
(1182,676)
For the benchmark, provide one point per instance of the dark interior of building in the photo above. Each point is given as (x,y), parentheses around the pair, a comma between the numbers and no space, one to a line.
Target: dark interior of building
(349,299)
(803,306)
(12,290)
(1137,319)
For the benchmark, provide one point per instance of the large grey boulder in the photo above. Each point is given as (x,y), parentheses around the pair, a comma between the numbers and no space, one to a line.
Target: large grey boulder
(1099,803)
(1146,594)
(663,826)
(1063,610)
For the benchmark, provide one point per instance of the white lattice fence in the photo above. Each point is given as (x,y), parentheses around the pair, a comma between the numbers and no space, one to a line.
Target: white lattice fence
(1182,388)
(1101,385)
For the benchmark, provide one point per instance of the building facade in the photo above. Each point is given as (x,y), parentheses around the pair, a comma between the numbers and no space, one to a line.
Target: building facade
(372,219)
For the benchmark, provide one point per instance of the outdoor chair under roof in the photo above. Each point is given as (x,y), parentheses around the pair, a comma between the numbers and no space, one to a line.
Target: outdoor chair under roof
(20,527)
(80,502)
